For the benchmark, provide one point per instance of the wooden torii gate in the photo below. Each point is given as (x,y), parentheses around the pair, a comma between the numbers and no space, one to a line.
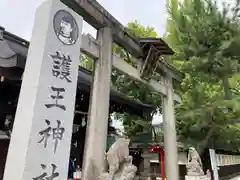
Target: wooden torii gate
(148,52)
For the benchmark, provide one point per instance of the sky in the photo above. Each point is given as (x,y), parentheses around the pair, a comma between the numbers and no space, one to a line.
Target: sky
(17,16)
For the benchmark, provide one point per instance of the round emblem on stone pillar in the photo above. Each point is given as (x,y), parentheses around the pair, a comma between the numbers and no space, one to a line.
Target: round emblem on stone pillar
(65,27)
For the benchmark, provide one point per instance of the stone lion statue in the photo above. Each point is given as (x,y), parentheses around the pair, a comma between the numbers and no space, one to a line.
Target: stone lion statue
(104,176)
(129,170)
(194,165)
(119,162)
(116,154)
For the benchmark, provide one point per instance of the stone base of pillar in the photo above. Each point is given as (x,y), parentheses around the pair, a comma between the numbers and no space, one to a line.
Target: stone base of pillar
(196,178)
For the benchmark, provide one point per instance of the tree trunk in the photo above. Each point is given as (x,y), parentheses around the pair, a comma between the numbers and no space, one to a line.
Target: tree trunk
(226,88)
(203,144)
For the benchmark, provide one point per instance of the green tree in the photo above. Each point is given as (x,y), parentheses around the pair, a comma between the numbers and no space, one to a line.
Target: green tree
(206,40)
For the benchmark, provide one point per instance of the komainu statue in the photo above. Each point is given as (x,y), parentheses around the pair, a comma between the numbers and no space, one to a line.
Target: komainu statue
(194,165)
(119,162)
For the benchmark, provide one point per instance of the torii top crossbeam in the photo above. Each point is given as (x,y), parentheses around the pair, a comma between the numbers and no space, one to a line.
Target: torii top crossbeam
(98,17)
(141,48)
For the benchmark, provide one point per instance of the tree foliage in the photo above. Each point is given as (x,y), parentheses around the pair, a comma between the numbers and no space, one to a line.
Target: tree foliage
(206,40)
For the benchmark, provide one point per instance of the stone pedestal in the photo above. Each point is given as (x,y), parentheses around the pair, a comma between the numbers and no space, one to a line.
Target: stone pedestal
(196,178)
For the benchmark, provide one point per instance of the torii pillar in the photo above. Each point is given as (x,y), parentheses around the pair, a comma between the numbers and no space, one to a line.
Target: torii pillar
(154,49)
(97,126)
(170,135)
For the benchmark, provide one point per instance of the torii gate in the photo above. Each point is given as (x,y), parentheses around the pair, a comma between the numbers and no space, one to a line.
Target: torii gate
(148,51)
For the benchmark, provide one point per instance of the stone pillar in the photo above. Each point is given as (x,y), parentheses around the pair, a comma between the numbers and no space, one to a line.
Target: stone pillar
(97,126)
(214,166)
(146,166)
(170,139)
(42,130)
